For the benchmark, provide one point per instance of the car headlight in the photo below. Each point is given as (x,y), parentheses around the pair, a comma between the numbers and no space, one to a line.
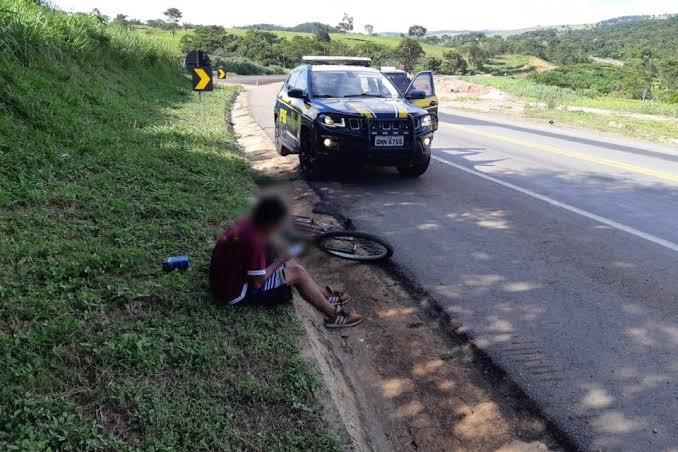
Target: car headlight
(332,121)
(426,121)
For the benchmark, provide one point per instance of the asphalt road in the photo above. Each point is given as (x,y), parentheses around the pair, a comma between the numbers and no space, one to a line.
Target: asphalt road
(557,251)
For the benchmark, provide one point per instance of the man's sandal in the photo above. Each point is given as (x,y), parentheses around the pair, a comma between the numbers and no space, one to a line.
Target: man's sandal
(337,297)
(343,319)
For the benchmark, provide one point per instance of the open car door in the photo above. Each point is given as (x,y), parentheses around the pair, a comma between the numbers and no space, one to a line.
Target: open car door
(423,81)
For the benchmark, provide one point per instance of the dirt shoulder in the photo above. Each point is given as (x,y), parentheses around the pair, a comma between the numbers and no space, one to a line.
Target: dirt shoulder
(402,380)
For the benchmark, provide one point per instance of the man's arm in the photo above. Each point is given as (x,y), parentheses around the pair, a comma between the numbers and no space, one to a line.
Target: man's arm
(258,280)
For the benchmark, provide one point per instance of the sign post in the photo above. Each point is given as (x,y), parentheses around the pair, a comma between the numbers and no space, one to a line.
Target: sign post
(202,79)
(199,65)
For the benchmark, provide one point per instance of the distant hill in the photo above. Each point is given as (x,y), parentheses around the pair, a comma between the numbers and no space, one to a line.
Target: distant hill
(563,27)
(630,19)
(457,32)
(619,38)
(306,27)
(310,27)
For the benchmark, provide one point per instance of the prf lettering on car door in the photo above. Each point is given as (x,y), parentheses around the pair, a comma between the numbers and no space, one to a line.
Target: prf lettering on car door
(293,123)
(283,115)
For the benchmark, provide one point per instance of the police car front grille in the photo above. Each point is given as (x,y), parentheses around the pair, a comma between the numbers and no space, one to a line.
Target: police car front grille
(388,126)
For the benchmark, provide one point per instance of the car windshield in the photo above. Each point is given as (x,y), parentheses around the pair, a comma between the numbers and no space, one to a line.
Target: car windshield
(400,80)
(351,84)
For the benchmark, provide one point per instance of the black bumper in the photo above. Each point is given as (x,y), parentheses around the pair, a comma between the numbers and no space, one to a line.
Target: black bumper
(360,149)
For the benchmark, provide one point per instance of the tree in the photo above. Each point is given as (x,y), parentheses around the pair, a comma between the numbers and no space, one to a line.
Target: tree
(369,29)
(432,63)
(475,56)
(346,24)
(121,21)
(380,54)
(173,16)
(668,77)
(408,53)
(417,31)
(636,84)
(210,38)
(435,40)
(263,46)
(156,23)
(101,18)
(322,33)
(453,63)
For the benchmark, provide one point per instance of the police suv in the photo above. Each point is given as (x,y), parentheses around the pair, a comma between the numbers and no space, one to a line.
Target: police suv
(339,111)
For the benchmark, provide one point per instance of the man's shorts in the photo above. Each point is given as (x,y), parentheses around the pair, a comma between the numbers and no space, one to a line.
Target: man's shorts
(274,291)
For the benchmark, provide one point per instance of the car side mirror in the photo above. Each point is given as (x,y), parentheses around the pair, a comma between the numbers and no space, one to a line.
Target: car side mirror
(295,93)
(415,95)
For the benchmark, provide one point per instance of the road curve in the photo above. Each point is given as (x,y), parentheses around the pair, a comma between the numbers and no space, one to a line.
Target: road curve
(556,250)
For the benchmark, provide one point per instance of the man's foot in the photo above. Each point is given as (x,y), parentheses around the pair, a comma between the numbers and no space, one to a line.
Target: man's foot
(336,297)
(343,319)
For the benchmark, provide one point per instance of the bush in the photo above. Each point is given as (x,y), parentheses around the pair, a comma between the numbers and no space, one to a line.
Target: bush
(33,33)
(431,63)
(453,63)
(590,77)
(245,66)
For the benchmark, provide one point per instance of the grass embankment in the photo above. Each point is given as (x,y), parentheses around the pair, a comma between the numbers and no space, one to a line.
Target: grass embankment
(620,119)
(107,165)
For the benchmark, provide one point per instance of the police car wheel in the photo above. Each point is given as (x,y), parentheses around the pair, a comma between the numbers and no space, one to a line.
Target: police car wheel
(308,159)
(414,170)
(279,147)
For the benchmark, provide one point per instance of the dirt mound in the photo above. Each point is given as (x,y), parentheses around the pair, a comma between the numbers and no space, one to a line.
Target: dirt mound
(456,86)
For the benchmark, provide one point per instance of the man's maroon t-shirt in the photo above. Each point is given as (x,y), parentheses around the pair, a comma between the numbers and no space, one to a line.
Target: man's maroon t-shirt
(239,253)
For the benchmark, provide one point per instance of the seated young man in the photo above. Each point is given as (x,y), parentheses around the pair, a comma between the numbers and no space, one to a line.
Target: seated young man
(239,273)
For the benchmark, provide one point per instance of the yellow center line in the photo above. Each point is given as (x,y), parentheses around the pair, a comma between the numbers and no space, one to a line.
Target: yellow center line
(572,154)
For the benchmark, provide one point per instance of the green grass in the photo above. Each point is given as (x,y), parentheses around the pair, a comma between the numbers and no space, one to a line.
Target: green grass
(102,174)
(633,127)
(553,96)
(163,36)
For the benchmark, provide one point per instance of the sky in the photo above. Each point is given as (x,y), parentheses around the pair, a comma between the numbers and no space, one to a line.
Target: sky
(392,15)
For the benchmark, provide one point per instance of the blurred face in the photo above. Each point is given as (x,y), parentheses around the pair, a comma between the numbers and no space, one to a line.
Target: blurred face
(274,229)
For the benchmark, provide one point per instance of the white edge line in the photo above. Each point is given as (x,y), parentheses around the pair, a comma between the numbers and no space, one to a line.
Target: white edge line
(592,216)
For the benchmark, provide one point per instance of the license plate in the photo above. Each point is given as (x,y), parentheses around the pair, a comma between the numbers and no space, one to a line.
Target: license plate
(389,140)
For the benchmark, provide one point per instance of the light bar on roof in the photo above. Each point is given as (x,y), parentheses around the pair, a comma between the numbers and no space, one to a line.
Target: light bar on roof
(350,61)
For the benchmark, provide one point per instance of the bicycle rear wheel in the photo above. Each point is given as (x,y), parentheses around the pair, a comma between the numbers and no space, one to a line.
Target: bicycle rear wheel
(354,245)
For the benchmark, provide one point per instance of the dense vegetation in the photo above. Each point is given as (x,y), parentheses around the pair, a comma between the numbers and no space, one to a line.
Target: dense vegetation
(108,163)
(269,48)
(245,66)
(306,27)
(647,48)
(588,79)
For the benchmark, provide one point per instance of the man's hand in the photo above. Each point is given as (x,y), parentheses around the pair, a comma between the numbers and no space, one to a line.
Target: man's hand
(283,256)
(258,281)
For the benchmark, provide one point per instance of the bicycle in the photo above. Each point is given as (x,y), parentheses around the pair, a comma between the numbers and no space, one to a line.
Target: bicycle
(343,242)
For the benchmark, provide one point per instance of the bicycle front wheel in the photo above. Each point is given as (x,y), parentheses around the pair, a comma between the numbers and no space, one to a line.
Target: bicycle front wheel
(354,245)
